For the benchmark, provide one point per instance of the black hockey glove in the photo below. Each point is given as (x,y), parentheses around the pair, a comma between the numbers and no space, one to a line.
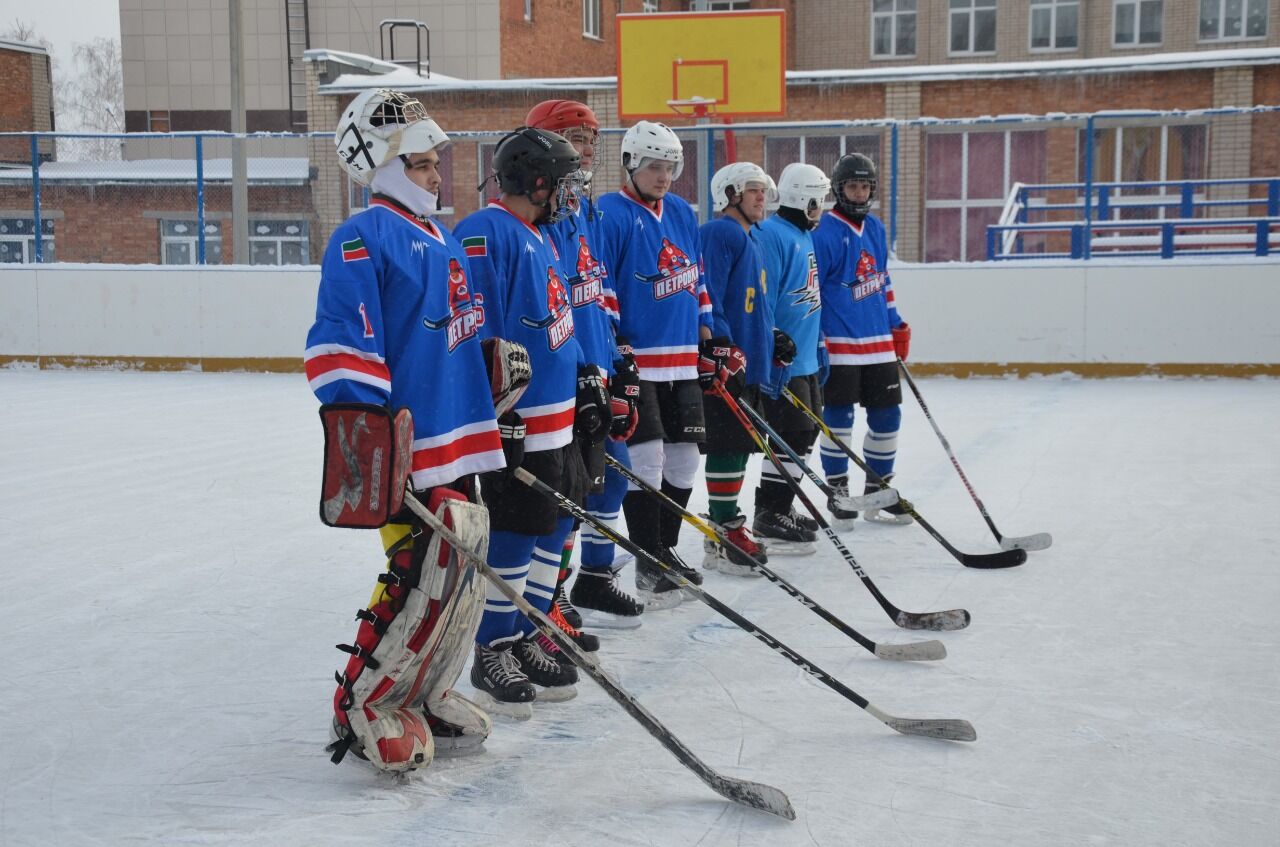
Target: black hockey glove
(511,430)
(719,362)
(626,357)
(592,415)
(784,349)
(624,401)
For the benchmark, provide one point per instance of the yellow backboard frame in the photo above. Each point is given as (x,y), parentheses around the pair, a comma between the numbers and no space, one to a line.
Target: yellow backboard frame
(737,59)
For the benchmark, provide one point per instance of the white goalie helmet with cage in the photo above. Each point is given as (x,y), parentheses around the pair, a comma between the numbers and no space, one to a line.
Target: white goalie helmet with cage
(380,125)
(651,140)
(738,176)
(804,187)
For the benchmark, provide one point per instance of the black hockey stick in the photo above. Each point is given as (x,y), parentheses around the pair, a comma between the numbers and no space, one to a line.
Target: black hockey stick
(754,794)
(939,621)
(921,651)
(944,728)
(1038,541)
(1003,559)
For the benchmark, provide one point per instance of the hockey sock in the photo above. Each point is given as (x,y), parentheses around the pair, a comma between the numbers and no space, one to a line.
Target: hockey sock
(566,554)
(669,521)
(598,551)
(641,510)
(839,419)
(777,495)
(725,472)
(880,447)
(509,555)
(544,570)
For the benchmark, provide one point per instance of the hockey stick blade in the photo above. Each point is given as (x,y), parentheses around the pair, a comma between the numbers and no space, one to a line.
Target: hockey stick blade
(882,499)
(920,651)
(1039,541)
(947,621)
(755,795)
(948,729)
(991,561)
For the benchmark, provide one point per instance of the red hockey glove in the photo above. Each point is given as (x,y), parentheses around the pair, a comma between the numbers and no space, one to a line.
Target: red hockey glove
(901,340)
(624,402)
(720,362)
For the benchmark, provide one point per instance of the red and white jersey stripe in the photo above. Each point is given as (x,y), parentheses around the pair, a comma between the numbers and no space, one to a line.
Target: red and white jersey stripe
(547,427)
(667,364)
(473,448)
(326,363)
(861,351)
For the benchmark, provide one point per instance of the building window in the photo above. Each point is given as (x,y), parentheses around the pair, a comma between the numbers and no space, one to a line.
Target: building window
(1146,154)
(591,18)
(180,242)
(1139,22)
(18,240)
(158,120)
(893,28)
(718,5)
(968,176)
(528,10)
(821,151)
(649,6)
(1226,20)
(1055,24)
(278,242)
(973,26)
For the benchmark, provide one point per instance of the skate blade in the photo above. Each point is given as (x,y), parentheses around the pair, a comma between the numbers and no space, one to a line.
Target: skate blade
(451,747)
(656,602)
(515,711)
(729,568)
(877,516)
(788,548)
(596,619)
(556,693)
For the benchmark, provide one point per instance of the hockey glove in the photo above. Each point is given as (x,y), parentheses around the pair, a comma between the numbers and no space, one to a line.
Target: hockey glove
(511,430)
(624,402)
(509,372)
(592,415)
(784,349)
(626,360)
(901,340)
(824,362)
(720,362)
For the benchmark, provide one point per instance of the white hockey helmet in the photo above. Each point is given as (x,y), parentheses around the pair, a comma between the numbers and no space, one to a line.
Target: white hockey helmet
(738,176)
(380,125)
(651,140)
(800,185)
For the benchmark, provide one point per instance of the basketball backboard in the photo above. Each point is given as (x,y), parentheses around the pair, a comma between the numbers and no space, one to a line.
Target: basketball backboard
(725,64)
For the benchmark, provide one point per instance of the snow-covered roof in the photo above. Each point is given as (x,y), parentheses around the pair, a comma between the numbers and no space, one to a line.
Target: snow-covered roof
(22,46)
(387,75)
(263,170)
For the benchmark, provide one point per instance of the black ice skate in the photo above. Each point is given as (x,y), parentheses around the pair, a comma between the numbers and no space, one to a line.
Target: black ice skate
(603,603)
(782,534)
(556,682)
(841,517)
(652,584)
(502,688)
(895,515)
(561,601)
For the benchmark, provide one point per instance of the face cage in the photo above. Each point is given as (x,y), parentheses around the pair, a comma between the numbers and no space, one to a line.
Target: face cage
(848,206)
(562,196)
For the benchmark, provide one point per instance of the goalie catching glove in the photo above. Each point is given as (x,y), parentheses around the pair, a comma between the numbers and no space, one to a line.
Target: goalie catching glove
(719,362)
(509,372)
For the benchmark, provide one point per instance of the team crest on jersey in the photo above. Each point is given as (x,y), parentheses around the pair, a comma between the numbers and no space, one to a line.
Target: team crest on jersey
(466,313)
(867,279)
(559,320)
(587,285)
(676,273)
(809,293)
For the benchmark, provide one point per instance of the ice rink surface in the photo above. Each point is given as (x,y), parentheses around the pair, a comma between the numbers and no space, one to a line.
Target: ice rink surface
(170,600)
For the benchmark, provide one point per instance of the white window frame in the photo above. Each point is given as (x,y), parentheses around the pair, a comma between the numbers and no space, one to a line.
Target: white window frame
(528,10)
(894,15)
(719,5)
(591,19)
(1222,19)
(280,240)
(27,239)
(212,241)
(1137,24)
(1118,163)
(971,9)
(648,7)
(1053,7)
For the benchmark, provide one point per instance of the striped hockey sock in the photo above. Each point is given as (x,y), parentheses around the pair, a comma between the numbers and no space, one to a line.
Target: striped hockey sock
(725,472)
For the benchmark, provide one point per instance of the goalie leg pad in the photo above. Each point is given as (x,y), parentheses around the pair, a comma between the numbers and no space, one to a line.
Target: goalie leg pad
(406,649)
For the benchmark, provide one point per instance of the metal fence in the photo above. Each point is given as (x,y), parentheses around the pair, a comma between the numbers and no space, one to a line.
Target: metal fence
(943,182)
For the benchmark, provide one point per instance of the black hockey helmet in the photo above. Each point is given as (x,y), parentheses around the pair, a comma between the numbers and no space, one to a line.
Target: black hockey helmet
(528,160)
(853,166)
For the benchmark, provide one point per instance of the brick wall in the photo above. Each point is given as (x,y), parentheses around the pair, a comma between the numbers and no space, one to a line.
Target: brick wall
(16,95)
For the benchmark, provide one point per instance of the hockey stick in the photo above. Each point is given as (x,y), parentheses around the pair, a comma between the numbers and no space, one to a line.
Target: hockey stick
(754,794)
(1003,559)
(922,651)
(938,621)
(944,728)
(1038,541)
(542,324)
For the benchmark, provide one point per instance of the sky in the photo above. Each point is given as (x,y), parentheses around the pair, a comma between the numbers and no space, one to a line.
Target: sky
(64,22)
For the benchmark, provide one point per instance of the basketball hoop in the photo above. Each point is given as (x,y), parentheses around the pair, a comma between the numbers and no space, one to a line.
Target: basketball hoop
(694,107)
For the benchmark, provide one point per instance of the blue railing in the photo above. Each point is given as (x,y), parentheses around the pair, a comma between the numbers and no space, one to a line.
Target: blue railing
(1163,238)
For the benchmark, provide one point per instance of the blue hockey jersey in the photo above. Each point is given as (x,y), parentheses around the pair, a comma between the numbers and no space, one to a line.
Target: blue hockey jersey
(737,285)
(589,285)
(858,312)
(516,267)
(396,325)
(653,256)
(792,271)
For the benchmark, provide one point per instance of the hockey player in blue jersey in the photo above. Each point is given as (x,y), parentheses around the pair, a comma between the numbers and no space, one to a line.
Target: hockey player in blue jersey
(864,333)
(597,598)
(742,315)
(396,329)
(516,267)
(794,296)
(649,242)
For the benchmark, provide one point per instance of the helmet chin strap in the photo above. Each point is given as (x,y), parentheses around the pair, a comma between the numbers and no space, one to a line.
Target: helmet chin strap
(645,197)
(391,180)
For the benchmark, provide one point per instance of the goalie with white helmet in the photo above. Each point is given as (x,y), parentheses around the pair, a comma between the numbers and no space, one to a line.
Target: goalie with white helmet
(649,241)
(396,329)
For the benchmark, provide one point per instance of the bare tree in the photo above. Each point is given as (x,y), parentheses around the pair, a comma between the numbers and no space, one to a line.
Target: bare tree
(94,99)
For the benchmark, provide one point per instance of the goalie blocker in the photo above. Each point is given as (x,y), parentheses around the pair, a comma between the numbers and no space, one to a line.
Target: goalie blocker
(394,705)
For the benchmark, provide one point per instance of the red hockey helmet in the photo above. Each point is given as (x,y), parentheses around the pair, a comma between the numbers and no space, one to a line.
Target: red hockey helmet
(559,115)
